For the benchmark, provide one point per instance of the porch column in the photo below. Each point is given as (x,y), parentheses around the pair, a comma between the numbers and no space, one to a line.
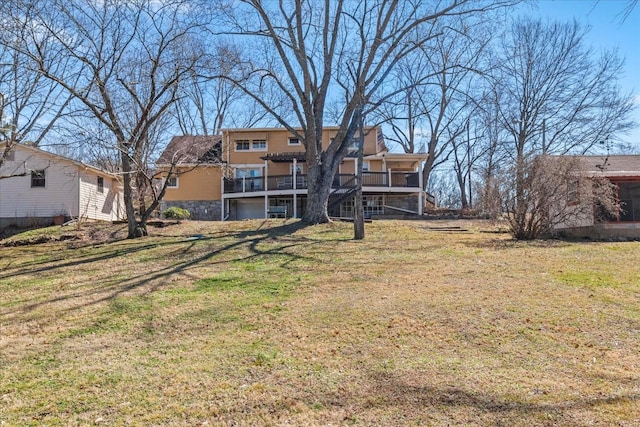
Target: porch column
(388,177)
(266,206)
(422,190)
(295,172)
(266,175)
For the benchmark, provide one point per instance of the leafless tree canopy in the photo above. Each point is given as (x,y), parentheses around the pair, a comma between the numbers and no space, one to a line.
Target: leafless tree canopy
(317,53)
(556,191)
(121,62)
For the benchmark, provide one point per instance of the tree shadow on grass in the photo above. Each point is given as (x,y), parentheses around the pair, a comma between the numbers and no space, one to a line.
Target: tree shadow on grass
(280,241)
(397,392)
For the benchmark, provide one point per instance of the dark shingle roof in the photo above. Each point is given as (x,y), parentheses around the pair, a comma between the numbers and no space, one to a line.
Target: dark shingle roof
(190,149)
(612,166)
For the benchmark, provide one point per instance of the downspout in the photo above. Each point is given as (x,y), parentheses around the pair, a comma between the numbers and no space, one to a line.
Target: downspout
(422,190)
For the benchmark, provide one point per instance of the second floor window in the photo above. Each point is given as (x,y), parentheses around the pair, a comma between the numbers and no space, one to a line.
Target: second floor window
(242,145)
(100,184)
(259,144)
(294,141)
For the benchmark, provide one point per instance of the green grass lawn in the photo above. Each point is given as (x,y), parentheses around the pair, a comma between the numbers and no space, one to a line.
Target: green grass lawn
(271,323)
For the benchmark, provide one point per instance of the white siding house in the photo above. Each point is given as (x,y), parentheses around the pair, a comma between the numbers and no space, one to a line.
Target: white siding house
(36,186)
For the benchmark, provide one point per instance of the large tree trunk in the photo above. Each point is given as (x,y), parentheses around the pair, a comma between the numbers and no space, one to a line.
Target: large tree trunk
(133,228)
(319,181)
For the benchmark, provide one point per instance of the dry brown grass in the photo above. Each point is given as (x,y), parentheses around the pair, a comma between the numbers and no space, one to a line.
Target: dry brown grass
(268,323)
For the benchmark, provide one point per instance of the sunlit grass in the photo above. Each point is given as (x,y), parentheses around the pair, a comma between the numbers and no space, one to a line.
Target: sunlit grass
(269,323)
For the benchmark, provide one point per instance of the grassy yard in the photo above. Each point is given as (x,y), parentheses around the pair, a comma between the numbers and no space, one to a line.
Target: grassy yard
(270,323)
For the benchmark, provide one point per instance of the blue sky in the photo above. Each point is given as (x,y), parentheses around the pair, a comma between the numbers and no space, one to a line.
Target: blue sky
(607,32)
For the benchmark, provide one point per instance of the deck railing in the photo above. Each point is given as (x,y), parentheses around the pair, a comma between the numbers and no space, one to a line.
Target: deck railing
(286,182)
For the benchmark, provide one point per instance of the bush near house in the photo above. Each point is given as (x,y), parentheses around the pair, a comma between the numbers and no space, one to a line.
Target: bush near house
(176,213)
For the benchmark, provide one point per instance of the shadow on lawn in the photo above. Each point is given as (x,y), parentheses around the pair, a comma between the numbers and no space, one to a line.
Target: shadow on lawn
(398,393)
(109,289)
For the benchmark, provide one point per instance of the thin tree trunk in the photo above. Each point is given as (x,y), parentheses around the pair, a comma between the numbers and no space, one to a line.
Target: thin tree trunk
(358,212)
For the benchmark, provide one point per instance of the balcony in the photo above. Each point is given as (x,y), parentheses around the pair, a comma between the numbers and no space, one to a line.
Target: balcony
(389,179)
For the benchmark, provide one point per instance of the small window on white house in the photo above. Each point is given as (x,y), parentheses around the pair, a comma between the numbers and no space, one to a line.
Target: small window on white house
(294,141)
(37,178)
(11,156)
(100,184)
(242,145)
(172,182)
(259,144)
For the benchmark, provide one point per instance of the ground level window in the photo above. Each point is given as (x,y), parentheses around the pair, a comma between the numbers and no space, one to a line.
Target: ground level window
(37,178)
(373,205)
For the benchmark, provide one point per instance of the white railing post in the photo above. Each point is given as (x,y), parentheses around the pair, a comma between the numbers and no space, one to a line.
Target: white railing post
(295,173)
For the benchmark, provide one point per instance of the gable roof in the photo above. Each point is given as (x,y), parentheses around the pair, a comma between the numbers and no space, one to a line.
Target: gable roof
(58,157)
(192,149)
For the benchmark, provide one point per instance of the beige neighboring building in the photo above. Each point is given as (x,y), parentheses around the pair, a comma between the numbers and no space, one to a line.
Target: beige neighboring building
(624,172)
(261,173)
(36,186)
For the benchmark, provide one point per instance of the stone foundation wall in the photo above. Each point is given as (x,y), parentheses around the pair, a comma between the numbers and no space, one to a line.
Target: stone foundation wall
(200,210)
(604,231)
(408,202)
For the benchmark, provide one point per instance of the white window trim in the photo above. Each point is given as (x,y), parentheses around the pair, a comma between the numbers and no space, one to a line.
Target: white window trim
(177,182)
(251,145)
(297,144)
(235,145)
(253,141)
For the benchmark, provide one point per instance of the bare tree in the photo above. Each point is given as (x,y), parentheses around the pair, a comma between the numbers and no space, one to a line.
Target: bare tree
(123,63)
(557,191)
(493,156)
(316,52)
(556,96)
(436,93)
(30,104)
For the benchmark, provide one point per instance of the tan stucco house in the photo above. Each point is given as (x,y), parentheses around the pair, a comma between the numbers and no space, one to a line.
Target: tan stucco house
(261,173)
(624,172)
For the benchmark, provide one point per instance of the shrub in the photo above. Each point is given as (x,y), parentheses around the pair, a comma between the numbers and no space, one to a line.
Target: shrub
(176,213)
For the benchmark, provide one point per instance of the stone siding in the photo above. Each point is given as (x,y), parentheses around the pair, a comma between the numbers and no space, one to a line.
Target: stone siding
(200,210)
(407,202)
